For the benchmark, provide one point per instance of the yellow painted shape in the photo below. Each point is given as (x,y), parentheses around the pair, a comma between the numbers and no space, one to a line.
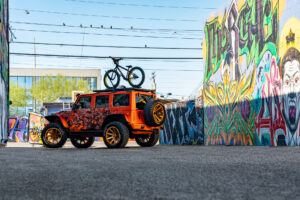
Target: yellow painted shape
(220,18)
(204,49)
(240,4)
(281,5)
(293,24)
(212,17)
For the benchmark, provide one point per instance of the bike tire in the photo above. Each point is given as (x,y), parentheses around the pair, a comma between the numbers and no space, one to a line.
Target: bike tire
(109,77)
(139,82)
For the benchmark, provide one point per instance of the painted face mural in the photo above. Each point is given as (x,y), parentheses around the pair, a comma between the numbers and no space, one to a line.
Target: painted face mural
(289,53)
(291,88)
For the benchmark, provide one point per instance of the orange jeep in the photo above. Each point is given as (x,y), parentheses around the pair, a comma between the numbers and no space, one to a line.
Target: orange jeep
(116,115)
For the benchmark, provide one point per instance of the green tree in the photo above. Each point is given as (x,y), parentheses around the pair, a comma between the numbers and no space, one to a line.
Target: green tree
(48,89)
(17,95)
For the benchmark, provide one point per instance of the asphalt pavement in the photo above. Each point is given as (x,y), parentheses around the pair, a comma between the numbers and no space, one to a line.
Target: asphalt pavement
(160,172)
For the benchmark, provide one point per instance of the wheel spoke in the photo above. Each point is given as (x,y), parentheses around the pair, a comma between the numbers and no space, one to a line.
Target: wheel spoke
(112,135)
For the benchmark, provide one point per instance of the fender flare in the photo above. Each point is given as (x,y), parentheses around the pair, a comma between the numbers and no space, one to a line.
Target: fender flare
(57,119)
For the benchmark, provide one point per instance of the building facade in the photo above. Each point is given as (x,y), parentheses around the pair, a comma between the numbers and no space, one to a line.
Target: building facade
(27,77)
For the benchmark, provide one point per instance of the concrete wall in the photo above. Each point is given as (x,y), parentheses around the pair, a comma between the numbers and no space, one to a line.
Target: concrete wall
(4,103)
(252,75)
(184,124)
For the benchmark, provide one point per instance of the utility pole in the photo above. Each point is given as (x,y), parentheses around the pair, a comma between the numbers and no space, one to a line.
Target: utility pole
(153,87)
(34,78)
(34,49)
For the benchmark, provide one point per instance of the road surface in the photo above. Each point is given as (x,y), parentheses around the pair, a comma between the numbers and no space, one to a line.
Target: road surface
(160,172)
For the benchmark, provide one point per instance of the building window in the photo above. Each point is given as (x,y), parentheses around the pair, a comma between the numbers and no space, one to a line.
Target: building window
(28,81)
(14,79)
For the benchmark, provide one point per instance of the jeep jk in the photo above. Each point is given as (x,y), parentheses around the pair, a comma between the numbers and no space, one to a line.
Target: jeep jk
(116,115)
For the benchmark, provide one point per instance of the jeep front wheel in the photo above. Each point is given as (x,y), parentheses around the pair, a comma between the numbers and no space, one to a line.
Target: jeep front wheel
(53,136)
(154,113)
(146,140)
(115,135)
(82,142)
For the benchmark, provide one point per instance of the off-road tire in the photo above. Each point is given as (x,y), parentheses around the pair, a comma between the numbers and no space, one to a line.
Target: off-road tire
(124,135)
(106,78)
(75,140)
(140,140)
(142,78)
(149,116)
(63,138)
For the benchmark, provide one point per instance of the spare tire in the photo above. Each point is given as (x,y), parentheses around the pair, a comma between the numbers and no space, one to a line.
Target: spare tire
(154,113)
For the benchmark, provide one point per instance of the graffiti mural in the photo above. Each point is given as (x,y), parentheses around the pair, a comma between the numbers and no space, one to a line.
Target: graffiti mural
(4,71)
(251,86)
(36,125)
(184,124)
(13,122)
(19,131)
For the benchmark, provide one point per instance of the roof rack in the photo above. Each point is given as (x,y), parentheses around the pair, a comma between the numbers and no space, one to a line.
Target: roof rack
(124,89)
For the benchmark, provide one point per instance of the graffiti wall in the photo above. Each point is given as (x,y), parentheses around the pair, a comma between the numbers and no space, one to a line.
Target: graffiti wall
(252,74)
(4,71)
(184,124)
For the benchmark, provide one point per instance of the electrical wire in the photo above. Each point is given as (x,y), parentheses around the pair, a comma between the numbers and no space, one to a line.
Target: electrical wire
(105,46)
(102,34)
(106,68)
(105,16)
(105,57)
(108,28)
(138,5)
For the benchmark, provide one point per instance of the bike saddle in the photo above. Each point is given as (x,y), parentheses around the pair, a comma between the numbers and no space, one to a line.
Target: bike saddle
(116,60)
(129,66)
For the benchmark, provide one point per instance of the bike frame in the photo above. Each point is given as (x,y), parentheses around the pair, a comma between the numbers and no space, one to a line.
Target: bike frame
(117,68)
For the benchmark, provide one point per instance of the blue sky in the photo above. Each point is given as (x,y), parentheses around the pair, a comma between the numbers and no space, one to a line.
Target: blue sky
(171,76)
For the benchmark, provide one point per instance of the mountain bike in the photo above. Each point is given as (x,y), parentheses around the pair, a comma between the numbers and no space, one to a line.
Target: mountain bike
(134,75)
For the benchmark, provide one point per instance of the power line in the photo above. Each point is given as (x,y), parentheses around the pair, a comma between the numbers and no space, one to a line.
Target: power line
(137,5)
(108,46)
(105,57)
(105,16)
(106,68)
(102,34)
(109,28)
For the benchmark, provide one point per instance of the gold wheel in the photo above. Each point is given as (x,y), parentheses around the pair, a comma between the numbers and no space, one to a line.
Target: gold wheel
(113,135)
(53,136)
(158,113)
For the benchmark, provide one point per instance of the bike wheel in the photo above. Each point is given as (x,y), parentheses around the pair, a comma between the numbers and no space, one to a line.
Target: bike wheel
(136,77)
(111,79)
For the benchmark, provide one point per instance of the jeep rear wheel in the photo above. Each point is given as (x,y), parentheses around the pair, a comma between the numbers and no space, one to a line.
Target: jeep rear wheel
(154,113)
(146,140)
(53,136)
(82,142)
(115,135)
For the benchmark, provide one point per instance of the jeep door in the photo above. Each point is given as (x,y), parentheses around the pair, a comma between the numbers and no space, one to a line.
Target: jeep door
(81,118)
(100,111)
(121,104)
